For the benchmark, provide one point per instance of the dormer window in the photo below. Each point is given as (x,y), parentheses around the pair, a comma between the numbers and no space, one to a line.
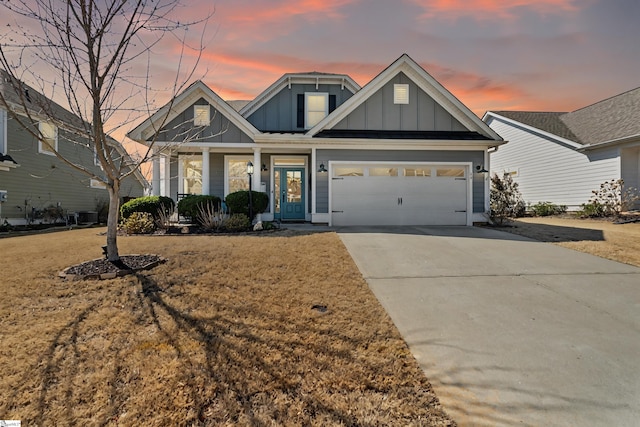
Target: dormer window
(201,115)
(400,93)
(317,108)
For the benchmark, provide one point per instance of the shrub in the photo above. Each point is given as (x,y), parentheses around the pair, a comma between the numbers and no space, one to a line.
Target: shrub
(210,217)
(148,204)
(547,209)
(611,199)
(505,199)
(139,223)
(237,222)
(238,202)
(189,206)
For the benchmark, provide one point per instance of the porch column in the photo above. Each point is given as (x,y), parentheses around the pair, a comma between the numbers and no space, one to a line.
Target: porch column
(257,166)
(313,181)
(205,171)
(155,169)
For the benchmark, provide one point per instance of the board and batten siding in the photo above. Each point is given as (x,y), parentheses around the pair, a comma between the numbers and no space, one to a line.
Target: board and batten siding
(221,129)
(547,170)
(325,156)
(280,113)
(43,180)
(379,112)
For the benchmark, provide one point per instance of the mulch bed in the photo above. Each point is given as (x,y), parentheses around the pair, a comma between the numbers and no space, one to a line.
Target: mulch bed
(102,268)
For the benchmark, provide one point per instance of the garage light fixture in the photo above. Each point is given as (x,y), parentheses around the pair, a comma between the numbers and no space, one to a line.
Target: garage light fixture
(322,169)
(481,169)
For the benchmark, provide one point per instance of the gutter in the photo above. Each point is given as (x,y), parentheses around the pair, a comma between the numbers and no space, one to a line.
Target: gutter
(611,142)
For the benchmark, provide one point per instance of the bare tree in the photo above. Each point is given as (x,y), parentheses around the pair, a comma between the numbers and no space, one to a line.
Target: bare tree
(94,49)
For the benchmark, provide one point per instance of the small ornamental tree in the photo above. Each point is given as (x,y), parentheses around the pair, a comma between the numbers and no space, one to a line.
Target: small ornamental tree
(505,199)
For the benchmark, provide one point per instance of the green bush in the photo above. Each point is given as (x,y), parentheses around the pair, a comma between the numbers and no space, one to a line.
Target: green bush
(592,210)
(238,202)
(547,209)
(190,205)
(237,222)
(139,223)
(148,204)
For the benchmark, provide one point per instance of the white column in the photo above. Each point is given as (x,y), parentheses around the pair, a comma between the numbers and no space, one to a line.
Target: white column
(155,169)
(314,170)
(205,171)
(257,166)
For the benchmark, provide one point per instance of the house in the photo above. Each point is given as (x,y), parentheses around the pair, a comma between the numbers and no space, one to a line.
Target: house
(562,157)
(402,150)
(35,185)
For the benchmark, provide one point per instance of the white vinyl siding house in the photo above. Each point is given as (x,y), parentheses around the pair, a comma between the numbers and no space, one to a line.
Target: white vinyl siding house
(562,157)
(549,170)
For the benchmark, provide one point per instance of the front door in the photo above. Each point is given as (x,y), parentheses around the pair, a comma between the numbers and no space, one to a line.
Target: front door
(289,194)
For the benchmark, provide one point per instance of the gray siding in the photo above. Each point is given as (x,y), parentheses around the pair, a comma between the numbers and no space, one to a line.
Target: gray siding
(279,114)
(42,180)
(324,156)
(221,129)
(379,112)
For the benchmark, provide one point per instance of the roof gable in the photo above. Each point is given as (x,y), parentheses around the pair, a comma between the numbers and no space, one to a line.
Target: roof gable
(184,100)
(426,83)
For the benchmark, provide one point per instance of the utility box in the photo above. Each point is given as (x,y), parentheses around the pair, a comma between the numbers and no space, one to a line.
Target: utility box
(3,196)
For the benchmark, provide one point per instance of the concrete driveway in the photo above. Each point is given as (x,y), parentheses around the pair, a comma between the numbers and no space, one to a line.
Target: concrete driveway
(510,331)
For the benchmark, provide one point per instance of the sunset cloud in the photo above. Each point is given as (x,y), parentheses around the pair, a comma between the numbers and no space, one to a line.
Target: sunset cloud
(491,9)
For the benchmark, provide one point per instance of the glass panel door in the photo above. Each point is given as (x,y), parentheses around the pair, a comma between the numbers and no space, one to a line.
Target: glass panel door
(290,190)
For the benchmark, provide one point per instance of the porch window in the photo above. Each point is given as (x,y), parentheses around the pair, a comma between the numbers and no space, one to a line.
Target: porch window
(191,176)
(49,142)
(236,174)
(201,115)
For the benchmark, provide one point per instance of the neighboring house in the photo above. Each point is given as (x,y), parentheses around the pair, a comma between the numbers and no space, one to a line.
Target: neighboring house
(562,157)
(33,180)
(401,150)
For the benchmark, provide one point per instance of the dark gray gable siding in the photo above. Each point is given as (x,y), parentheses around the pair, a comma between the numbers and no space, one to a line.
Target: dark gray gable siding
(280,113)
(322,180)
(221,129)
(379,112)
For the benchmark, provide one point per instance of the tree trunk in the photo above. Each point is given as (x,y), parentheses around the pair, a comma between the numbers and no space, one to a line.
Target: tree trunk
(112,221)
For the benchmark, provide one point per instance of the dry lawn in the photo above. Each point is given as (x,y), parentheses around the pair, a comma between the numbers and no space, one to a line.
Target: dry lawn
(222,334)
(618,242)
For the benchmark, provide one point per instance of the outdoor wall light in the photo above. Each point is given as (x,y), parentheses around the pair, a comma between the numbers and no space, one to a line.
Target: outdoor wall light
(322,168)
(264,168)
(481,169)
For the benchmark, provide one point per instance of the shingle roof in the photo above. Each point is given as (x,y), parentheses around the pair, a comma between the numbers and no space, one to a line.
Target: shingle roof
(611,119)
(547,121)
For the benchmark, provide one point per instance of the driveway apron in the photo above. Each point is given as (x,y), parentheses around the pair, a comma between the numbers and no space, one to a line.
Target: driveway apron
(510,331)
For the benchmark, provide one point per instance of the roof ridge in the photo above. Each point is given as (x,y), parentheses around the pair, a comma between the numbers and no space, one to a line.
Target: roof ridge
(606,99)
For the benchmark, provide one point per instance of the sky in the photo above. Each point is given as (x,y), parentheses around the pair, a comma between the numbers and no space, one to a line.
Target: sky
(539,55)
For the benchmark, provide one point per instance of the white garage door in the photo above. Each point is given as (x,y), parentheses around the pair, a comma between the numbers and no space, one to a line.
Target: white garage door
(399,194)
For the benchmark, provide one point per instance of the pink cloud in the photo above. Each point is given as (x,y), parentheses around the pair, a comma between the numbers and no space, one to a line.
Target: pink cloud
(491,9)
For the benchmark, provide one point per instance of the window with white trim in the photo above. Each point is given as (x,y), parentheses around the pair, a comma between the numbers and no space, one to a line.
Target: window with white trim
(201,115)
(190,172)
(401,93)
(95,183)
(235,172)
(317,108)
(49,142)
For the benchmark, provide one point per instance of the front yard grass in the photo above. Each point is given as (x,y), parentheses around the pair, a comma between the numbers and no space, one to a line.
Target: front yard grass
(224,333)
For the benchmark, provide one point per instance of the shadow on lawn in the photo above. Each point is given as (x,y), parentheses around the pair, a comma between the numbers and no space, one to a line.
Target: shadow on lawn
(553,233)
(233,364)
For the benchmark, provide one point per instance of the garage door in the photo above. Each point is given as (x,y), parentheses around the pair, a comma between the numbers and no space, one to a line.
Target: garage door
(399,194)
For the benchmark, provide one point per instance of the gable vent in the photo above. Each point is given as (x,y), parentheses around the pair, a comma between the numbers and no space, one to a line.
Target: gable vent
(400,93)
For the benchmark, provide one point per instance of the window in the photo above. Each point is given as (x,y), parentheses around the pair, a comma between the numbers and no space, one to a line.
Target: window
(317,108)
(97,184)
(346,171)
(236,174)
(383,172)
(49,142)
(191,175)
(201,115)
(452,172)
(417,171)
(400,93)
